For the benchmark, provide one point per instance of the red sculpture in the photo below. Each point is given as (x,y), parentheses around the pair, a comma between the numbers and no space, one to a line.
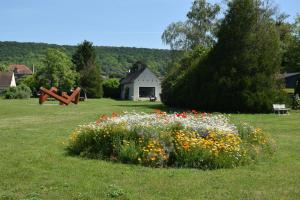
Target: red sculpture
(64,99)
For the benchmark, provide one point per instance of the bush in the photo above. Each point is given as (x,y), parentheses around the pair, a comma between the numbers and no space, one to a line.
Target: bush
(32,82)
(19,92)
(111,88)
(180,140)
(296,101)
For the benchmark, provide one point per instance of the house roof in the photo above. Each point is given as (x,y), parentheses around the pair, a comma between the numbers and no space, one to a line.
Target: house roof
(5,79)
(286,75)
(132,76)
(19,69)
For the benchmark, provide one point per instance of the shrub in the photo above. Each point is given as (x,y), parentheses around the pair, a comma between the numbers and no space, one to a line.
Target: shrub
(296,101)
(111,88)
(181,140)
(19,92)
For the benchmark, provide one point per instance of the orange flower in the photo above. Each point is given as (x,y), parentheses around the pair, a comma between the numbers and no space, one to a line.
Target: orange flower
(101,119)
(114,114)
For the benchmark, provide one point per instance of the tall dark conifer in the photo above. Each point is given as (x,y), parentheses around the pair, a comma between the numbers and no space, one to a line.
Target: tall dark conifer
(239,73)
(84,60)
(245,60)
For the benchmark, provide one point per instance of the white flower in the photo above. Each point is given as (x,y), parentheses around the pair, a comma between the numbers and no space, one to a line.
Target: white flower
(154,121)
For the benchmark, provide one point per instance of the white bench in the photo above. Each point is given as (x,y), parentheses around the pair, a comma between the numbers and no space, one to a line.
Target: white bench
(152,98)
(280,109)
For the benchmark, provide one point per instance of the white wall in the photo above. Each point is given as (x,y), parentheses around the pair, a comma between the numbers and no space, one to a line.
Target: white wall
(13,81)
(146,79)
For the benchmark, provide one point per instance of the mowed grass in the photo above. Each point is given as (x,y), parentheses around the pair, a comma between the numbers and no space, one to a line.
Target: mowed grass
(34,165)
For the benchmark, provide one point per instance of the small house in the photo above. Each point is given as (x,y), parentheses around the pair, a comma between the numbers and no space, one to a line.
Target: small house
(19,70)
(7,79)
(140,84)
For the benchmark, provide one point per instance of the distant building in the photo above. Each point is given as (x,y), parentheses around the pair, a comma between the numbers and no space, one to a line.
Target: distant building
(7,79)
(140,85)
(291,79)
(19,70)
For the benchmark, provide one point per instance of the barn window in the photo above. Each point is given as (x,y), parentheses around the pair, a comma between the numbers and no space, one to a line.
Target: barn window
(146,91)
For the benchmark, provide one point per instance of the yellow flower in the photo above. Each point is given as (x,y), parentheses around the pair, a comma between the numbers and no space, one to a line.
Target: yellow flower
(153,158)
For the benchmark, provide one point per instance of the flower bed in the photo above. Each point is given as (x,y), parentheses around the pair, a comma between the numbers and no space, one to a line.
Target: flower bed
(182,140)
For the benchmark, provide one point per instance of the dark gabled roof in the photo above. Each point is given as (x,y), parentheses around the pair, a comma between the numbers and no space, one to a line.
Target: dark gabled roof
(286,75)
(19,69)
(131,76)
(5,79)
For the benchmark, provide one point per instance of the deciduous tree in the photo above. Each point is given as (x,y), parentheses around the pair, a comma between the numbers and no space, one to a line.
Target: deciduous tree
(56,71)
(198,29)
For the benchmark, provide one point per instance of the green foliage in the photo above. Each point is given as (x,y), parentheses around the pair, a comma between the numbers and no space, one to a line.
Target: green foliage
(244,75)
(84,57)
(296,98)
(291,57)
(31,82)
(239,72)
(3,68)
(111,88)
(114,61)
(198,29)
(129,153)
(97,144)
(90,79)
(56,71)
(176,87)
(297,88)
(19,92)
(91,82)
(255,142)
(296,101)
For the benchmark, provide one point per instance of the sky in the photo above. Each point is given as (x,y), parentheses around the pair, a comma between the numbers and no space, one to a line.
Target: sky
(131,23)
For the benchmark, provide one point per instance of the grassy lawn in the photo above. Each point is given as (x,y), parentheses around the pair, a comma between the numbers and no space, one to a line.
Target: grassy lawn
(33,164)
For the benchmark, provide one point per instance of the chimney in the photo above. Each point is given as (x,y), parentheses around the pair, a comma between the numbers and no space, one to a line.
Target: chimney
(140,67)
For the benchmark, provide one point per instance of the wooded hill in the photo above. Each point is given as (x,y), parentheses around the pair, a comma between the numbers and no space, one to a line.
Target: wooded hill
(114,61)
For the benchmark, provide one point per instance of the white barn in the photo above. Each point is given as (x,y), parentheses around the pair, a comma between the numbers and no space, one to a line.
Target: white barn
(140,85)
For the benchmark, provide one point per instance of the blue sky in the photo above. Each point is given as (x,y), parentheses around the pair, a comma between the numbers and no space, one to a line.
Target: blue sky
(134,23)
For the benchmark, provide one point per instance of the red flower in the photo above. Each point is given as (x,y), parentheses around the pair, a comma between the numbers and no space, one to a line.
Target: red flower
(101,119)
(114,114)
(183,115)
(194,111)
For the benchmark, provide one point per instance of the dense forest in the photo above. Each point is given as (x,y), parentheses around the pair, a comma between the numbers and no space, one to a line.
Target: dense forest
(114,61)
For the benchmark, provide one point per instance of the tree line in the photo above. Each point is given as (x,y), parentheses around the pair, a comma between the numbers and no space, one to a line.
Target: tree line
(65,73)
(113,61)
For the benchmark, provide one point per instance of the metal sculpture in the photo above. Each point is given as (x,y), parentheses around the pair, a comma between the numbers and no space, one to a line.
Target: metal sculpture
(64,99)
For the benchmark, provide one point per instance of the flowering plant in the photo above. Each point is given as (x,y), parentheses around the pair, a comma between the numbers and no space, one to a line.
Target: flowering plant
(161,139)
